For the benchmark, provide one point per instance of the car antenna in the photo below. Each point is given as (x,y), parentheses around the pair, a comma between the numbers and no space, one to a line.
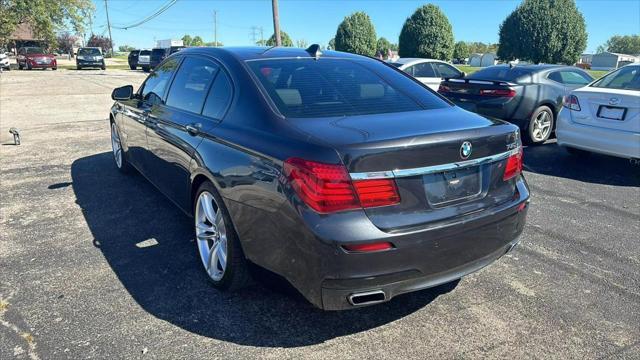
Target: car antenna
(314,50)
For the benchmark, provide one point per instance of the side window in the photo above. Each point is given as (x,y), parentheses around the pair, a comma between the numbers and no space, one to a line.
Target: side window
(423,70)
(219,97)
(447,71)
(191,84)
(555,76)
(574,78)
(154,88)
(409,70)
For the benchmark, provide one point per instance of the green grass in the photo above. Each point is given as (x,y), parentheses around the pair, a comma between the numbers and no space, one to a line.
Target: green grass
(471,69)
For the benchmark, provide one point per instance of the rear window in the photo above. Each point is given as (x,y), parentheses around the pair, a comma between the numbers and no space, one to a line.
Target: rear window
(625,78)
(145,52)
(34,50)
(92,52)
(502,73)
(304,88)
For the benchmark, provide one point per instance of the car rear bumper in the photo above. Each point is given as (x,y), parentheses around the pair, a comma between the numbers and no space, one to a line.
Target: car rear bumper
(84,63)
(308,252)
(614,142)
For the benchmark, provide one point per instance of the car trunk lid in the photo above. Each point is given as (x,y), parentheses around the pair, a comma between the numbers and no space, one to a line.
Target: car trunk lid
(608,108)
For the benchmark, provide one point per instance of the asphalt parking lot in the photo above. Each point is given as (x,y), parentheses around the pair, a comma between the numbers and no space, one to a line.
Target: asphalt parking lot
(95,264)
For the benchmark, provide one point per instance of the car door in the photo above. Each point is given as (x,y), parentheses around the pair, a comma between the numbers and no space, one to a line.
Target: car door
(177,126)
(425,73)
(135,113)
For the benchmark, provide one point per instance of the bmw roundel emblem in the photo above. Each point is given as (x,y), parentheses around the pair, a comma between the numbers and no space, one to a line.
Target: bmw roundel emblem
(465,150)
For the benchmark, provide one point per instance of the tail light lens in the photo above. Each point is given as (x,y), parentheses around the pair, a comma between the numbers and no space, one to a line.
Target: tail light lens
(369,247)
(514,165)
(571,102)
(498,92)
(442,89)
(328,188)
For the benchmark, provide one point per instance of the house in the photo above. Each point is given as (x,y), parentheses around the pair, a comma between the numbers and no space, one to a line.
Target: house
(23,36)
(611,61)
(483,60)
(585,59)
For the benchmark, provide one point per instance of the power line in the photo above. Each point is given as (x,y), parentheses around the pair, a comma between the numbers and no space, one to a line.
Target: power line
(162,9)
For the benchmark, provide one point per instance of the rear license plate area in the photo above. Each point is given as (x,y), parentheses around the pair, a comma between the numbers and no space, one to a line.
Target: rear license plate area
(455,186)
(611,112)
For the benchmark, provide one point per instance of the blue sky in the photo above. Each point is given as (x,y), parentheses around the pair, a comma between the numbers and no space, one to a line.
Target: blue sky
(316,21)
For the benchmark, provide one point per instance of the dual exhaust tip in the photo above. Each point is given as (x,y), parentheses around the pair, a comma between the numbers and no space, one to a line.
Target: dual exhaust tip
(367,298)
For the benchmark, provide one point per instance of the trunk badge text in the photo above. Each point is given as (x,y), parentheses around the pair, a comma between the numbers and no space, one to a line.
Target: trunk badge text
(465,150)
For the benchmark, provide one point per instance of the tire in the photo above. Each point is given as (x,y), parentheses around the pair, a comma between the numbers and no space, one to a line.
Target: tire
(104,68)
(540,126)
(78,67)
(577,152)
(54,69)
(132,67)
(29,66)
(145,69)
(212,241)
(119,156)
(20,67)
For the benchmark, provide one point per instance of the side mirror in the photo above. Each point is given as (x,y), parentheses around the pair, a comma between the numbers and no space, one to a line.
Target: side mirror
(122,93)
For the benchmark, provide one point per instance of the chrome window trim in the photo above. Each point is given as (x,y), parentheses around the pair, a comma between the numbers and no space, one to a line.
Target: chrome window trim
(432,169)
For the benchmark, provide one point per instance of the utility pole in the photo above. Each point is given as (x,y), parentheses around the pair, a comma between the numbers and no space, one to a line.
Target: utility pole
(254,34)
(262,36)
(106,7)
(215,27)
(276,22)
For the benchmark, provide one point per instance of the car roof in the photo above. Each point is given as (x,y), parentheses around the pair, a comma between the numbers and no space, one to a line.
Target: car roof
(534,67)
(265,52)
(405,61)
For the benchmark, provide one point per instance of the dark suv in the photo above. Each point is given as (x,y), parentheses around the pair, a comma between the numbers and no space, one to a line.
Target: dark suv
(157,55)
(90,57)
(337,171)
(132,59)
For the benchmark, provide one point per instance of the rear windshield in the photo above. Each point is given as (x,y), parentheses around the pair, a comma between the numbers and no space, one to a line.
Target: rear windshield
(327,87)
(157,51)
(93,52)
(145,52)
(34,50)
(502,73)
(625,78)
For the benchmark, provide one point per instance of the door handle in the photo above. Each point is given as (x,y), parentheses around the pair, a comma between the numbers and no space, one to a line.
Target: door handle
(193,129)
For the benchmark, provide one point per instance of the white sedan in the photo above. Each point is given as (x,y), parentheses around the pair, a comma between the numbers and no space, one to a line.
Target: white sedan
(604,116)
(428,71)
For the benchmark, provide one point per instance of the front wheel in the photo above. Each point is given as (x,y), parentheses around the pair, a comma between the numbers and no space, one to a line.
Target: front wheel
(116,145)
(540,126)
(103,68)
(218,244)
(54,69)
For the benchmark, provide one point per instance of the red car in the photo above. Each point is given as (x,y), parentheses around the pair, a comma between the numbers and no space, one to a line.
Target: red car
(35,58)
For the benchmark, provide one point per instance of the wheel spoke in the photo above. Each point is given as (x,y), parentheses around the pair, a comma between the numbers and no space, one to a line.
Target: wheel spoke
(207,205)
(213,258)
(222,255)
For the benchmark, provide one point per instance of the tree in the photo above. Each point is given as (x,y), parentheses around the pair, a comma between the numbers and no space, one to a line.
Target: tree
(427,34)
(627,44)
(125,48)
(600,49)
(302,43)
(65,42)
(383,46)
(102,42)
(187,40)
(197,41)
(460,50)
(356,35)
(284,37)
(213,43)
(543,31)
(44,16)
(332,44)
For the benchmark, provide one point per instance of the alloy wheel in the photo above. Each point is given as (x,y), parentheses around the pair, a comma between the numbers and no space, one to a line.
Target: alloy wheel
(116,145)
(211,235)
(541,126)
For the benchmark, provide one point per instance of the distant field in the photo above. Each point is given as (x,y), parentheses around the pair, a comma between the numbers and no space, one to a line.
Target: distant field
(471,69)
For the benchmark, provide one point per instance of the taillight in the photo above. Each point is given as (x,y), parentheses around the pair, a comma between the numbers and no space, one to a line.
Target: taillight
(369,247)
(498,92)
(514,165)
(443,89)
(328,188)
(571,102)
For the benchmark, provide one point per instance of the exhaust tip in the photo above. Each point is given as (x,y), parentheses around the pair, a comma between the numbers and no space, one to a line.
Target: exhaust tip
(367,298)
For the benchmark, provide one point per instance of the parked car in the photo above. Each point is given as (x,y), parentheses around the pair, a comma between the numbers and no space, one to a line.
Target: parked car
(336,171)
(132,59)
(428,71)
(157,55)
(144,60)
(604,117)
(90,57)
(529,96)
(35,58)
(4,62)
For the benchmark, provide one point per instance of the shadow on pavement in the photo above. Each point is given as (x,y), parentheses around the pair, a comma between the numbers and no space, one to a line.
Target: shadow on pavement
(148,243)
(551,159)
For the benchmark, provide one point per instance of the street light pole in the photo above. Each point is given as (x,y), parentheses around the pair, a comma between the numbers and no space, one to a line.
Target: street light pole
(106,7)
(276,22)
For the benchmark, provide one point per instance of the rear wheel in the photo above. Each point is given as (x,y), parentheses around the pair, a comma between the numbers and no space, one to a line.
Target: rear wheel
(218,244)
(540,126)
(103,67)
(20,67)
(133,67)
(54,69)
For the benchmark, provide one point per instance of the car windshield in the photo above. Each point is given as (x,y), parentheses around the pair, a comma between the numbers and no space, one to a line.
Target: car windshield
(34,50)
(625,78)
(91,52)
(338,87)
(502,73)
